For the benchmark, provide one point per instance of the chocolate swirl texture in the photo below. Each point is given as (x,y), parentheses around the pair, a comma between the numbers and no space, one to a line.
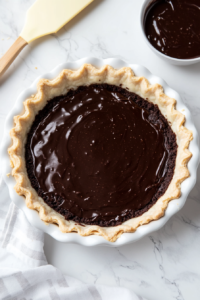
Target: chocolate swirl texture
(172,27)
(100,155)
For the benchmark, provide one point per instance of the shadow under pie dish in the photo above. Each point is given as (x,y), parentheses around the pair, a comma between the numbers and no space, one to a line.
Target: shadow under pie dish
(99,151)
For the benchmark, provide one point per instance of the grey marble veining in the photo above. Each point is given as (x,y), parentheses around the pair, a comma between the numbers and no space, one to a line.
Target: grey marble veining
(166,264)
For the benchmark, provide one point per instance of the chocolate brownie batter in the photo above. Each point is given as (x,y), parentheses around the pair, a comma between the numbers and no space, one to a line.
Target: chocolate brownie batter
(172,27)
(100,155)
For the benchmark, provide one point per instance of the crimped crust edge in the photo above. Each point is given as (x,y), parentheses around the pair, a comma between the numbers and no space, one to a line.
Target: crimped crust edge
(88,74)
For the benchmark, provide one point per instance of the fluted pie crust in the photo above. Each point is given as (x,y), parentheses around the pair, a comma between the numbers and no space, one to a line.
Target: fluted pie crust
(86,75)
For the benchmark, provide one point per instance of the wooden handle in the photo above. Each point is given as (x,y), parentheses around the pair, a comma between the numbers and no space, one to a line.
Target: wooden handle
(11,54)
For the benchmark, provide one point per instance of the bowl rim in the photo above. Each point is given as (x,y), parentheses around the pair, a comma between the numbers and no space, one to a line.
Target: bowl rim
(172,59)
(173,207)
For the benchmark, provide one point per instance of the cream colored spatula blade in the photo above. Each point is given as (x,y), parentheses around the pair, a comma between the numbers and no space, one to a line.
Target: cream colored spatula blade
(44,17)
(48,16)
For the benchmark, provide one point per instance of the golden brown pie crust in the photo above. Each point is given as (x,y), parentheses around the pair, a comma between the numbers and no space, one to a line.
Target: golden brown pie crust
(86,75)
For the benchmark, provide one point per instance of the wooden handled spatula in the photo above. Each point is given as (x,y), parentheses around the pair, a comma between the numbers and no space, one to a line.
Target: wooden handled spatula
(43,17)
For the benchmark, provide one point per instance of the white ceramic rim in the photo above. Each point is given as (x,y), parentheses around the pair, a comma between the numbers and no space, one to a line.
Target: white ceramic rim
(126,238)
(172,60)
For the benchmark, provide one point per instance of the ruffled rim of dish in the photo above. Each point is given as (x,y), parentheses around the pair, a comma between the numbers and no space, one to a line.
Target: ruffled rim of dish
(86,75)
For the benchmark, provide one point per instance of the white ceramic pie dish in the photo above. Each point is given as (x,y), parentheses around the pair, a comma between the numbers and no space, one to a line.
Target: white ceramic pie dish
(173,207)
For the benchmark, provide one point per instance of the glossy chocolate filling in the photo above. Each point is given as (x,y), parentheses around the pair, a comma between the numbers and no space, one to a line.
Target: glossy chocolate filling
(172,27)
(100,155)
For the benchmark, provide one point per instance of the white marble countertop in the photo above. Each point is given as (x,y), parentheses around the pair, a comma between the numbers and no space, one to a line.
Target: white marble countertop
(164,265)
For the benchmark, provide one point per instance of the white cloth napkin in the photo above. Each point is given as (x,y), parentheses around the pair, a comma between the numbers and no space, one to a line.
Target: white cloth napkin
(24,271)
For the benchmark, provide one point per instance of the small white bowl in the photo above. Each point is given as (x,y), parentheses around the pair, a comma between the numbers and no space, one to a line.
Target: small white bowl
(172,60)
(126,238)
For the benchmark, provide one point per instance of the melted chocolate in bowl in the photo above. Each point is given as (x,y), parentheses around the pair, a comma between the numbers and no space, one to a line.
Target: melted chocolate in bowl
(172,27)
(100,155)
